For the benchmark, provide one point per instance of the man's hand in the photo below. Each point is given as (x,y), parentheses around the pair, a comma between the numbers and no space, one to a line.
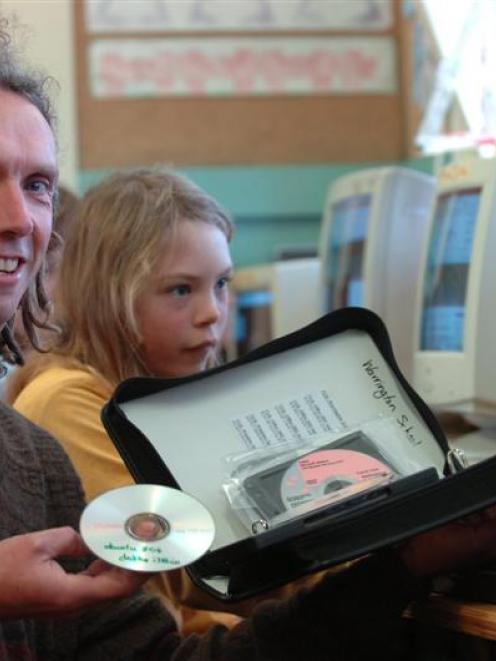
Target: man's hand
(34,584)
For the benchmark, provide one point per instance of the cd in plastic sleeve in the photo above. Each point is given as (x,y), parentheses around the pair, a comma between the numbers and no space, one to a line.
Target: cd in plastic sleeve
(329,469)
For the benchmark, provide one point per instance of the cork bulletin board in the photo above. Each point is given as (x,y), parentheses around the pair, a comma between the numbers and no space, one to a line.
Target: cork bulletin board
(197,83)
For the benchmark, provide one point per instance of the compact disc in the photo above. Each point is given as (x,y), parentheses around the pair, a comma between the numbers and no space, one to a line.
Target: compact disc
(147,527)
(322,472)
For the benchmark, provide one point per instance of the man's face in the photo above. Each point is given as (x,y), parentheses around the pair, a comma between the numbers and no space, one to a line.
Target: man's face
(28,177)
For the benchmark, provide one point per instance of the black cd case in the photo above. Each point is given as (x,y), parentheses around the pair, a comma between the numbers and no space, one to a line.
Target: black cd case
(179,432)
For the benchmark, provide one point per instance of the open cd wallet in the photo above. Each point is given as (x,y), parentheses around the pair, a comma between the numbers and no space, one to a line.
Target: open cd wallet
(309,451)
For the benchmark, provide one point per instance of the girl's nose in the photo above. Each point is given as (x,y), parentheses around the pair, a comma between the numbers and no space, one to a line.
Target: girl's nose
(209,310)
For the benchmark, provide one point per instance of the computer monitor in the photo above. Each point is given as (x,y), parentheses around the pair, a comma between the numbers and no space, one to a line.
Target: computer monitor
(371,240)
(274,299)
(455,356)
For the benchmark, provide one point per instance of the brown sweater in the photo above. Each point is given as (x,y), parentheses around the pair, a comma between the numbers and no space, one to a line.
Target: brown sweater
(351,616)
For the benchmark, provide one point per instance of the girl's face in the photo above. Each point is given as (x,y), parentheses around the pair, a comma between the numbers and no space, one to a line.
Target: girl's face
(183,314)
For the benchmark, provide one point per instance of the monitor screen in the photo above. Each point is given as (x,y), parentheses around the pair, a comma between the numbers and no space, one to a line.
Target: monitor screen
(253,326)
(447,269)
(346,251)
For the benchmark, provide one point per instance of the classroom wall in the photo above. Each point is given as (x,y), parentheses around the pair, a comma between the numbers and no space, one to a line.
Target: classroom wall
(43,32)
(273,206)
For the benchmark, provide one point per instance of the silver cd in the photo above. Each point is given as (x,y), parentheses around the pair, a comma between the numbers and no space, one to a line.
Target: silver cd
(147,527)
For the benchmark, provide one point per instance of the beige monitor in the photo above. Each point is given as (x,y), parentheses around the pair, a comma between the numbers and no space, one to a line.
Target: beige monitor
(275,299)
(455,343)
(372,236)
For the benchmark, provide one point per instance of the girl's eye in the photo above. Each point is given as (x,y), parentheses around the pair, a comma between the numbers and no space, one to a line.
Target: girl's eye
(223,282)
(180,290)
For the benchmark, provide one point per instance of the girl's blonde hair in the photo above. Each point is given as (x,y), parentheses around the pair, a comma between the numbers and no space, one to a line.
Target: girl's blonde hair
(124,224)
